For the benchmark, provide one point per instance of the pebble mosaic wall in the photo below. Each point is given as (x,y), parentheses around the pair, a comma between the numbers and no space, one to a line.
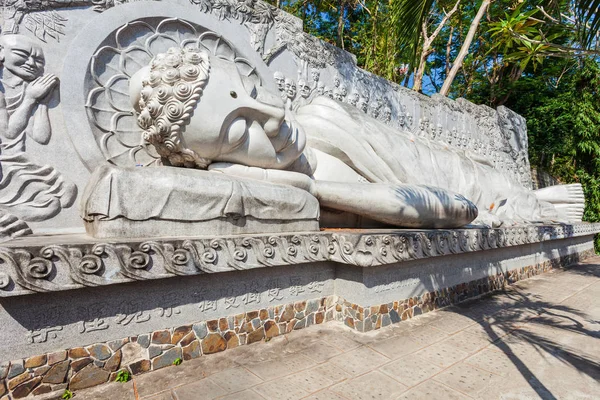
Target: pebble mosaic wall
(83,367)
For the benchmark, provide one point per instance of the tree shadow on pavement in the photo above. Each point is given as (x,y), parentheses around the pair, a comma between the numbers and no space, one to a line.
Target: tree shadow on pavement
(524,325)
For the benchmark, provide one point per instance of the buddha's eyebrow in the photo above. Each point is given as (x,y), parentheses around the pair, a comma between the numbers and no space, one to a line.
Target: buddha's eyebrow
(21,52)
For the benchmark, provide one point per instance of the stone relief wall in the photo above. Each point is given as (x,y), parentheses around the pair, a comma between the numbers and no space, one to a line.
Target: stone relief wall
(85,120)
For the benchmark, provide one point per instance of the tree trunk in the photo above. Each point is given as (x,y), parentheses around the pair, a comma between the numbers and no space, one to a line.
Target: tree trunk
(448,50)
(418,84)
(465,48)
(340,27)
(427,51)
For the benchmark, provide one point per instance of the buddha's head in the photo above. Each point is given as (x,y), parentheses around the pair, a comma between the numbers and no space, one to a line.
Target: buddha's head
(22,57)
(196,108)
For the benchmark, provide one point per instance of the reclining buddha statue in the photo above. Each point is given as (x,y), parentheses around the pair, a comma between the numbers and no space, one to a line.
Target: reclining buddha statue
(198,111)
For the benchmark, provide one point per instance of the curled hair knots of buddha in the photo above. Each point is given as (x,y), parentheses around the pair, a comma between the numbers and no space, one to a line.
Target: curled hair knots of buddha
(168,98)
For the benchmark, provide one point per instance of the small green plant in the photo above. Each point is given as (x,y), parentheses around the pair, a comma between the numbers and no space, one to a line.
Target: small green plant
(67,395)
(177,361)
(123,376)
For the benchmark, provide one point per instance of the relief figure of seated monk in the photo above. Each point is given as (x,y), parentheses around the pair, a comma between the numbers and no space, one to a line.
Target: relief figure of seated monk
(198,111)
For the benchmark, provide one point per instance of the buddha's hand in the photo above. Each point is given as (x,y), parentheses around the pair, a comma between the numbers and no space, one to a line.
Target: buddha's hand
(41,87)
(295,179)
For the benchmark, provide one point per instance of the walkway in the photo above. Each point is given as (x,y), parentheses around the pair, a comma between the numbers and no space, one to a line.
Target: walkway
(539,339)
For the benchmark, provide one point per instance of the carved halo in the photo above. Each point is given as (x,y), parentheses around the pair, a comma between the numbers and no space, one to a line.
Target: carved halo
(129,49)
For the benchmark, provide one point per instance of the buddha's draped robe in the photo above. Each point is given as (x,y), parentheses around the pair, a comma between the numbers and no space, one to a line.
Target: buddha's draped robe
(380,153)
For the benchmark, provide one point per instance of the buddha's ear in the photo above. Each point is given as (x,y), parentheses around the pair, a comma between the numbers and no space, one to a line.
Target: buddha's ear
(1,54)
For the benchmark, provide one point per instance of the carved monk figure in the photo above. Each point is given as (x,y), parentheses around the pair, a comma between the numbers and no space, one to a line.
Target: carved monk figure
(348,160)
(31,192)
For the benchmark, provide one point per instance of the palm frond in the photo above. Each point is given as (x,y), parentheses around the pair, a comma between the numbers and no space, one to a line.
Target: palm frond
(407,17)
(588,20)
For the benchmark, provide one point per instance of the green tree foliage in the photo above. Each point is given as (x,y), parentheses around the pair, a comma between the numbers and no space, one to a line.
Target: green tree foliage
(563,120)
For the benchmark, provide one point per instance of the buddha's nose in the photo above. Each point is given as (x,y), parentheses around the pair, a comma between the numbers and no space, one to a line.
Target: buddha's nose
(270,112)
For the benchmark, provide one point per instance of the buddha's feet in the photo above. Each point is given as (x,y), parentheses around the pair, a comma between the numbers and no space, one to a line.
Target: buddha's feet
(568,200)
(561,194)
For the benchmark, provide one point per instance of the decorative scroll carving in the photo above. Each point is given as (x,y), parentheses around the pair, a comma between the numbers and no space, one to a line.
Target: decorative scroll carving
(70,266)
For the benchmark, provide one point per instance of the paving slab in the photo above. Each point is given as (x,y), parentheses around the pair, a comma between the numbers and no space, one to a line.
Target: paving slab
(539,339)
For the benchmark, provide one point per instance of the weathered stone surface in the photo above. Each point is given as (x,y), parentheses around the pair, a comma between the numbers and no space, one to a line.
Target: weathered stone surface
(263,314)
(42,389)
(349,322)
(58,372)
(143,340)
(255,336)
(271,329)
(192,350)
(57,356)
(139,367)
(161,337)
(312,306)
(232,339)
(288,313)
(78,364)
(154,351)
(212,325)
(25,388)
(187,339)
(39,371)
(117,344)
(4,370)
(99,351)
(251,315)
(200,329)
(300,305)
(17,380)
(319,317)
(167,358)
(16,368)
(113,363)
(78,352)
(213,343)
(131,352)
(3,389)
(88,377)
(35,361)
(180,333)
(223,324)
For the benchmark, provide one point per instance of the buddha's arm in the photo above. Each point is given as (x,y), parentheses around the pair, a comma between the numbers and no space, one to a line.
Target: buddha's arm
(411,206)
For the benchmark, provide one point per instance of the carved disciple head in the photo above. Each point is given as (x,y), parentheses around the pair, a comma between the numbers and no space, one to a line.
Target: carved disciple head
(280,80)
(321,88)
(304,88)
(192,120)
(401,119)
(386,114)
(290,88)
(353,99)
(315,75)
(21,57)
